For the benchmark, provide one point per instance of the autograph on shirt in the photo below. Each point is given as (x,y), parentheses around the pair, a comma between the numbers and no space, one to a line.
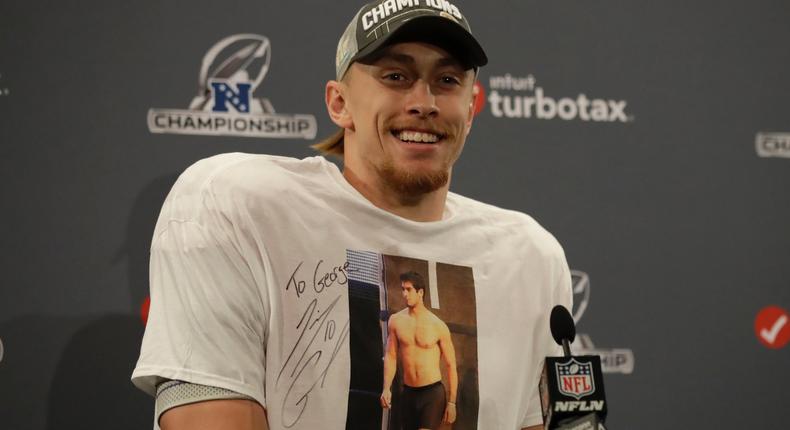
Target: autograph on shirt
(319,340)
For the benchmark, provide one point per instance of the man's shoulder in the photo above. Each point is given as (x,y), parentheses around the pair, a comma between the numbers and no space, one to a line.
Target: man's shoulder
(476,208)
(241,173)
(506,222)
(400,314)
(438,321)
(238,184)
(396,318)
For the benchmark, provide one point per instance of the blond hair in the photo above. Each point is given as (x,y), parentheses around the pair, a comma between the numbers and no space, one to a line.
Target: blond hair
(332,145)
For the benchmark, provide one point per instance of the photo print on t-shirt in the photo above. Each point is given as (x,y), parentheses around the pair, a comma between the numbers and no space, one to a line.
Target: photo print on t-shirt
(408,306)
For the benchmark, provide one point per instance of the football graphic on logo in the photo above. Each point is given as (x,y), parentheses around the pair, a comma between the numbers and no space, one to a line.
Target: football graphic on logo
(581,293)
(239,59)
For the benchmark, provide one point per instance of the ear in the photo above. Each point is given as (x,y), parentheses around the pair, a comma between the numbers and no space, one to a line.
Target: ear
(472,104)
(336,104)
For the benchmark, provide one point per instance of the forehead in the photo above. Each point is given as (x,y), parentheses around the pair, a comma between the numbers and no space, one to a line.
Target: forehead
(406,285)
(413,53)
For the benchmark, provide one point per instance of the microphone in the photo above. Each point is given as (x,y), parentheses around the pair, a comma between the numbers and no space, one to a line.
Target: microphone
(562,328)
(571,387)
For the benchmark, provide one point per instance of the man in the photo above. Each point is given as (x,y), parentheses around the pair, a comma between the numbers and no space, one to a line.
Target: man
(420,338)
(249,325)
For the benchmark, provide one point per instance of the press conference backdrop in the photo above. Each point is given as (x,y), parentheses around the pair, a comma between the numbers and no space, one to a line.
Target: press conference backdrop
(652,138)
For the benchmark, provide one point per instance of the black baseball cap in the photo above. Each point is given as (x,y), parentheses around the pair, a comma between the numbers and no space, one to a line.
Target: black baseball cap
(384,22)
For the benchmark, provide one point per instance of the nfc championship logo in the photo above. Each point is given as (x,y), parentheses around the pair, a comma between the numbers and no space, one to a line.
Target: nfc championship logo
(769,145)
(575,379)
(615,360)
(225,105)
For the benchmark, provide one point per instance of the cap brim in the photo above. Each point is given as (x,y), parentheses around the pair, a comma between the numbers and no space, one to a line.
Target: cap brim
(436,30)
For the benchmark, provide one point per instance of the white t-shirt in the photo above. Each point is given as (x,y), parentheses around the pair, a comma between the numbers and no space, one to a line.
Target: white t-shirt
(249,288)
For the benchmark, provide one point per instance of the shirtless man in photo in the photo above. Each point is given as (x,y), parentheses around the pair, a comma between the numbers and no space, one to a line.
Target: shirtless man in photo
(420,339)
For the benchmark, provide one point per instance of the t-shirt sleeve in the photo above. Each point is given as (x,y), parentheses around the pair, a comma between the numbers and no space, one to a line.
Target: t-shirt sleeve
(562,294)
(207,319)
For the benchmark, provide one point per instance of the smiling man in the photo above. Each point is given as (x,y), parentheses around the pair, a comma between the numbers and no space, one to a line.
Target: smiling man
(420,64)
(249,320)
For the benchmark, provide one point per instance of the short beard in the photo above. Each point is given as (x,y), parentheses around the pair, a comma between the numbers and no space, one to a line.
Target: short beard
(409,184)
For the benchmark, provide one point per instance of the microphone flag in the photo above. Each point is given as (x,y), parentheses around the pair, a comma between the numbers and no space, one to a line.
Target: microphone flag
(572,392)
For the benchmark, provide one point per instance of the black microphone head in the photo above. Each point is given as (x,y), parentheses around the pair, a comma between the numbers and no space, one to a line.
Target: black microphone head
(562,326)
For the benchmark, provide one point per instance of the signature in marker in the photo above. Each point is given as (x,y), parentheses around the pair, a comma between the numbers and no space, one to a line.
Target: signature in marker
(318,343)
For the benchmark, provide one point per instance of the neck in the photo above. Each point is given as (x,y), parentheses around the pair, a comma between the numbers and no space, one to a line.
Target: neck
(418,309)
(423,207)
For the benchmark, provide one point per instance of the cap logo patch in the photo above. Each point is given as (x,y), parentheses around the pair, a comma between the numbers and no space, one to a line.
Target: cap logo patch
(445,6)
(386,9)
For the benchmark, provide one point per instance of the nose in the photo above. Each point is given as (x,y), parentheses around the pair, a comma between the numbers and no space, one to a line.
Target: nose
(422,101)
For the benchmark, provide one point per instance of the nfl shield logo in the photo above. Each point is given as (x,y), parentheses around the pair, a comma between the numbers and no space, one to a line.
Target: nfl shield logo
(575,379)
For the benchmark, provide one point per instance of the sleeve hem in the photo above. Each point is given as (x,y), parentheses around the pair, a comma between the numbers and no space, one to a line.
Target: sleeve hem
(146,377)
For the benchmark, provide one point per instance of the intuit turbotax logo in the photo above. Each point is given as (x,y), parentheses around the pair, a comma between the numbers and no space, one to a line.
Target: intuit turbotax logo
(520,97)
(225,106)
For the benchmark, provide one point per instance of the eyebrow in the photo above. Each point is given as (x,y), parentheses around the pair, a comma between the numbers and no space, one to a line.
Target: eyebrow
(408,59)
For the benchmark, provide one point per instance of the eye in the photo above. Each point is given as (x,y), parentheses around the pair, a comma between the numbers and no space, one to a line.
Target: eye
(395,76)
(450,80)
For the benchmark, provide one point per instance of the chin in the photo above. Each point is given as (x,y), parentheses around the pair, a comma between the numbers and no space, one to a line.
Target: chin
(415,181)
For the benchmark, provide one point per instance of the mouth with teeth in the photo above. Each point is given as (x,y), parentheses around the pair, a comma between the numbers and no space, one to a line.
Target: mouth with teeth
(419,137)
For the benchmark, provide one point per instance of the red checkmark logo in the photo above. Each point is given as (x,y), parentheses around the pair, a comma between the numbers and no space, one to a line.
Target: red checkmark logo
(144,307)
(772,327)
(480,98)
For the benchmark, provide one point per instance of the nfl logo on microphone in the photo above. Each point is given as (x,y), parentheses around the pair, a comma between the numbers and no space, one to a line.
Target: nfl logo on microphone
(572,388)
(575,379)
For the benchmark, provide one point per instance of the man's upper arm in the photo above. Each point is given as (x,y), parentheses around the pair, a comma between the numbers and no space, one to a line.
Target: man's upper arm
(559,292)
(215,415)
(446,345)
(392,336)
(206,323)
(208,318)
